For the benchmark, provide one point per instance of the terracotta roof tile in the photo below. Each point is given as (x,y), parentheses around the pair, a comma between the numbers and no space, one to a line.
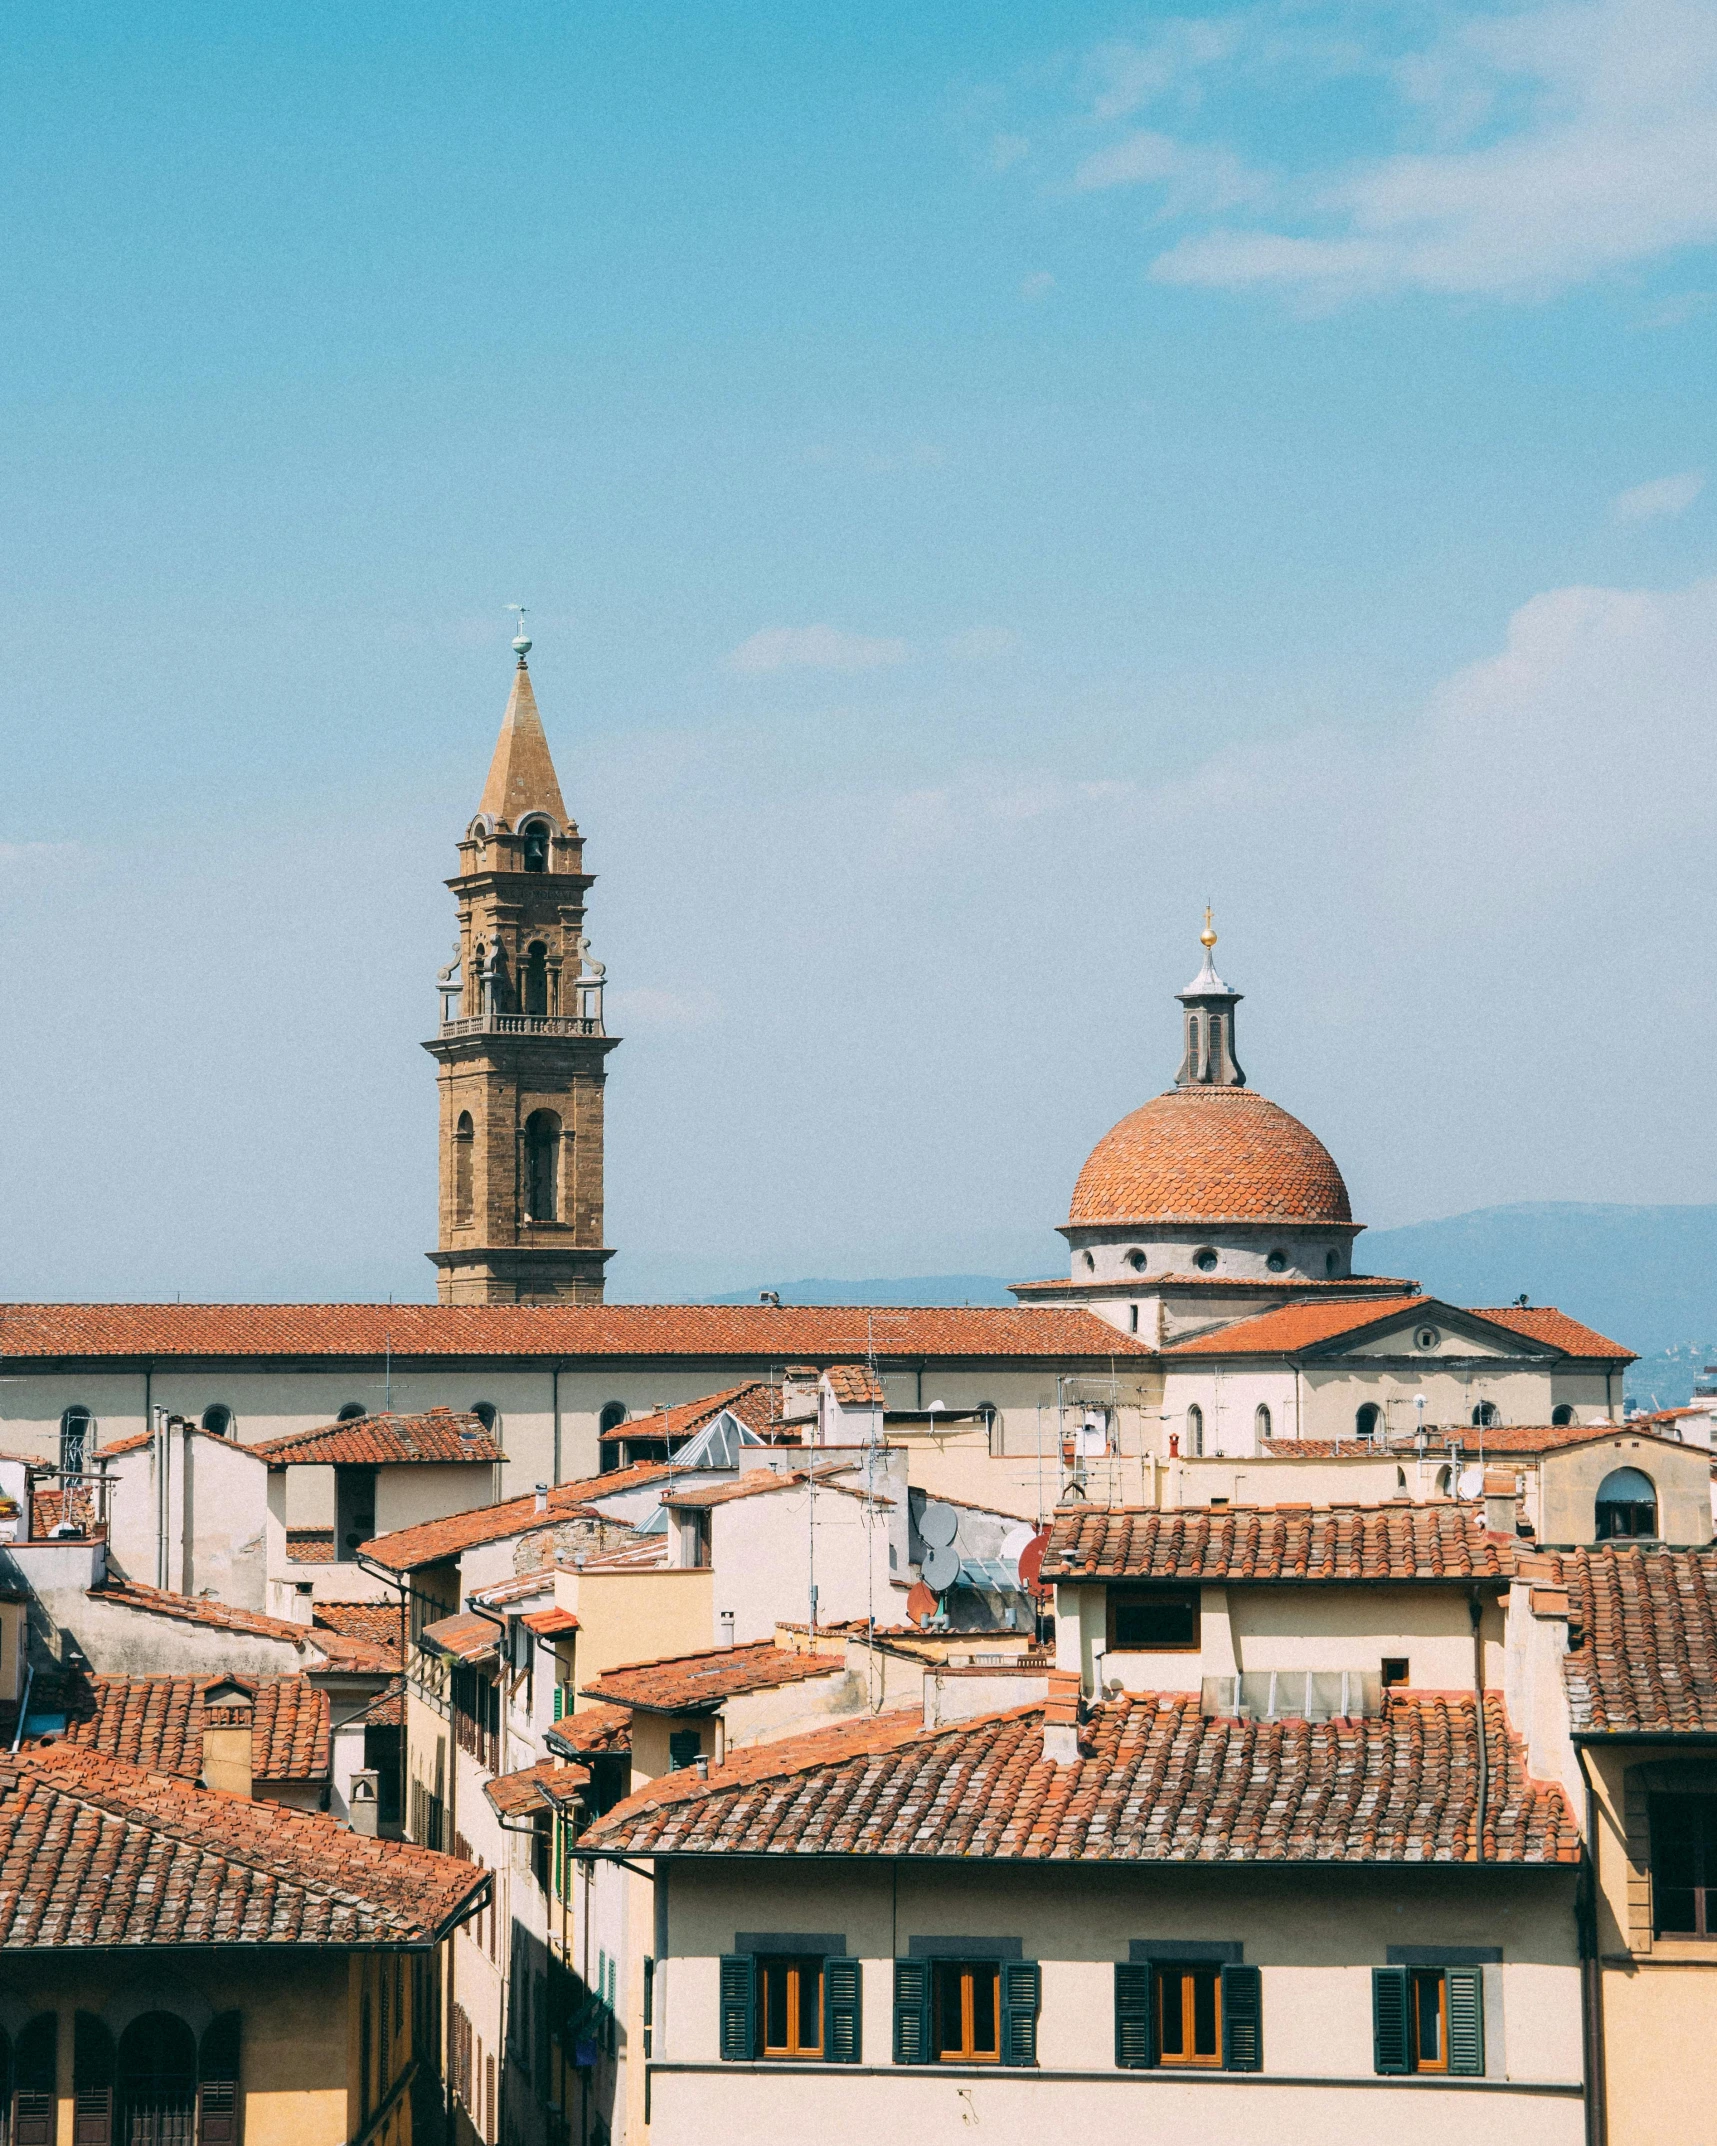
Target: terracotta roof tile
(379,1624)
(1156,1782)
(543,1787)
(1294,1327)
(1543,1322)
(1642,1640)
(438,1435)
(855,1385)
(760,1482)
(1494,1438)
(698,1683)
(94,1852)
(340,1650)
(432,1540)
(549,1623)
(831,1333)
(1275,1543)
(1209,1155)
(648,1553)
(310,1546)
(757,1405)
(464,1637)
(593,1730)
(157,1723)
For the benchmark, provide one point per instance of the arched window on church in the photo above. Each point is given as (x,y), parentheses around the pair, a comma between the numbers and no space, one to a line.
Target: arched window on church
(1626,1507)
(1485,1416)
(536,834)
(1261,1421)
(464,1142)
(1368,1420)
(1562,1414)
(535,978)
(1195,1430)
(542,1166)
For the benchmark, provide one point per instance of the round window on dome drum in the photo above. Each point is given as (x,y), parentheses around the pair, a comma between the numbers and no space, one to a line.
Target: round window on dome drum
(1137,1261)
(1277,1262)
(1204,1259)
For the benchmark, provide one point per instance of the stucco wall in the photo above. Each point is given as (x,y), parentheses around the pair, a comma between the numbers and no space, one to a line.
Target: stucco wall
(1569,1481)
(635,1617)
(216,1516)
(1315,1936)
(767,1551)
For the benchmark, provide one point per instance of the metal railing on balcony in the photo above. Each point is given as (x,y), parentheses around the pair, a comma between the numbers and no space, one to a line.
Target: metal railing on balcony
(522,1024)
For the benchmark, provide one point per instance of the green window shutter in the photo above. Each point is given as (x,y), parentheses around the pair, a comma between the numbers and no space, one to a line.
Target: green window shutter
(1022,1983)
(738,2008)
(559,1700)
(1135,2016)
(1389,2019)
(1466,2021)
(912,2011)
(843,2010)
(1242,2019)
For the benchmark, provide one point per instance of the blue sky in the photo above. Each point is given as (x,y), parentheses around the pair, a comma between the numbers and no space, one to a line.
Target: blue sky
(986,481)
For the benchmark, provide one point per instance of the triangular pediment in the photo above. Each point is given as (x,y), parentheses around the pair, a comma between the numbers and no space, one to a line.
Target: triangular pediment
(1431,1330)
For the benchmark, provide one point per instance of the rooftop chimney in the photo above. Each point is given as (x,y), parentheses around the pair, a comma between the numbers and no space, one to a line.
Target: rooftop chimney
(227,1708)
(1061,1718)
(1501,1489)
(542,1498)
(364,1803)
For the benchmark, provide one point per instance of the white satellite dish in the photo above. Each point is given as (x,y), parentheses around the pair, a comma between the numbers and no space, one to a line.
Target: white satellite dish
(1471,1482)
(939,1524)
(941,1567)
(1014,1541)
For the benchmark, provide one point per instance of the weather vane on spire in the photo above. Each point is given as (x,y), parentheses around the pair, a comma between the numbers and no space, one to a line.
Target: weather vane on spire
(521,640)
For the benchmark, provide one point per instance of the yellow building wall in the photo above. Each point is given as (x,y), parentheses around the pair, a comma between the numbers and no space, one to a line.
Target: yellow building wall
(635,1617)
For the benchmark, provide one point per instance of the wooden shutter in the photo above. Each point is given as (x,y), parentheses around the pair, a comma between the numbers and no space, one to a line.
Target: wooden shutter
(1022,1983)
(843,2010)
(1389,2019)
(912,2011)
(1135,2015)
(738,2008)
(217,2077)
(1242,2019)
(92,2082)
(36,2077)
(1466,2021)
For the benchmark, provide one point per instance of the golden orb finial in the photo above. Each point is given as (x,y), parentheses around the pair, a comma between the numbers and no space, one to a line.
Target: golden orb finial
(1207,937)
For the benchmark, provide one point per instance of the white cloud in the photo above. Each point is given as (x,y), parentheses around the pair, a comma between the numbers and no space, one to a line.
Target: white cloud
(1535,150)
(817,648)
(1663,496)
(1038,286)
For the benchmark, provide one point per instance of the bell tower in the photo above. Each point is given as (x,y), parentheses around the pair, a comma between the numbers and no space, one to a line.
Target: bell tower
(521,1049)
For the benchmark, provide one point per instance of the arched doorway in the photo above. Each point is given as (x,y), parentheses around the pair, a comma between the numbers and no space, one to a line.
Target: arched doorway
(157,2082)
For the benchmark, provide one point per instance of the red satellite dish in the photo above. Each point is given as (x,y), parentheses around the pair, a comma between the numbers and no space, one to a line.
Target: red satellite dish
(1031,1562)
(920,1603)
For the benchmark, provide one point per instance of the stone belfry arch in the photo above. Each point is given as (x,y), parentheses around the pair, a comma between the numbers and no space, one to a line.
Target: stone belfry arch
(521,1049)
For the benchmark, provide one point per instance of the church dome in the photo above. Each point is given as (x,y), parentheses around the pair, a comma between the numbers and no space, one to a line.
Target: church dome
(1209,1154)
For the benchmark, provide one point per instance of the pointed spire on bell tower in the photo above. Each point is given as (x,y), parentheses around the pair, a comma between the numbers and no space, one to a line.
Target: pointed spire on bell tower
(1209,1060)
(521,775)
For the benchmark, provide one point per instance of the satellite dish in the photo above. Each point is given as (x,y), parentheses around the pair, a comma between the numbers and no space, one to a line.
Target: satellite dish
(939,1524)
(1015,1540)
(920,1603)
(941,1568)
(1031,1561)
(1471,1482)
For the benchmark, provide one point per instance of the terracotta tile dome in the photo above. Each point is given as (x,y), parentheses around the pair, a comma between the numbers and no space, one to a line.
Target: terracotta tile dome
(1209,1155)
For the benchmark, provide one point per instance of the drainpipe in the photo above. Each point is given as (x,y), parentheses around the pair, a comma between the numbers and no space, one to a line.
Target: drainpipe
(555,1390)
(1475,1610)
(1591,1967)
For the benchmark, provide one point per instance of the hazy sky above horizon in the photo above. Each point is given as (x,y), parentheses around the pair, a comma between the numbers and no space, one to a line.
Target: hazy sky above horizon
(986,481)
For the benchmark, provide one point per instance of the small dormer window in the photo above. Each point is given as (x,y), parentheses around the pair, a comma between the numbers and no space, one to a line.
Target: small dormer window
(537,835)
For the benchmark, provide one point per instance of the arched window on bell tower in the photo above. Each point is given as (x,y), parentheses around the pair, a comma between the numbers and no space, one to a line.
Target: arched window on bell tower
(464,1142)
(542,1167)
(535,979)
(537,834)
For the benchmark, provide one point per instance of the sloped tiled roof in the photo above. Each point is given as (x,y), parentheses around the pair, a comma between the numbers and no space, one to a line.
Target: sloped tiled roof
(432,1540)
(1495,1438)
(646,1553)
(438,1435)
(759,1482)
(549,1623)
(1294,1327)
(94,1852)
(1543,1322)
(1642,1640)
(594,1730)
(1209,1155)
(775,1333)
(698,1683)
(1275,1543)
(756,1404)
(1156,1782)
(544,1787)
(157,1723)
(463,1637)
(340,1649)
(855,1385)
(378,1624)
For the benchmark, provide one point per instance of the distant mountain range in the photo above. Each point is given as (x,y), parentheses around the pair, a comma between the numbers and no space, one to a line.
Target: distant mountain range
(1647,1276)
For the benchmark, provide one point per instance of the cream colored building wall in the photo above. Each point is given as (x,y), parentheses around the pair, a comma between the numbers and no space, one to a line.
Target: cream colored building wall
(216,1512)
(634,1617)
(1314,1935)
(769,1550)
(1258,1627)
(1331,1393)
(295,2075)
(1569,1483)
